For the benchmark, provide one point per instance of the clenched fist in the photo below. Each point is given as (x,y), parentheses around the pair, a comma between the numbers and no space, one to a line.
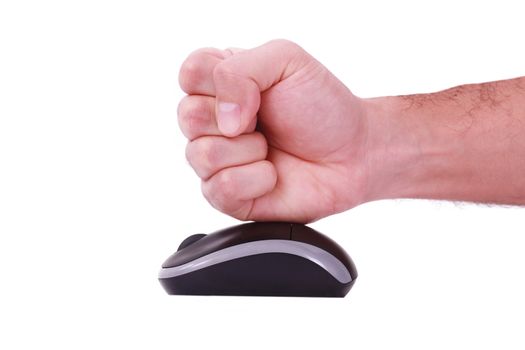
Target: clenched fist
(275,136)
(272,133)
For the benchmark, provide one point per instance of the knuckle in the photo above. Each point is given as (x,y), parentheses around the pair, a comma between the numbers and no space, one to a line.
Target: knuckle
(226,185)
(228,75)
(192,115)
(189,153)
(209,193)
(286,44)
(223,70)
(227,190)
(262,144)
(220,192)
(202,156)
(207,154)
(190,73)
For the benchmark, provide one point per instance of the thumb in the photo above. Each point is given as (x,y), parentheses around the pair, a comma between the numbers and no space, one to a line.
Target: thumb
(240,79)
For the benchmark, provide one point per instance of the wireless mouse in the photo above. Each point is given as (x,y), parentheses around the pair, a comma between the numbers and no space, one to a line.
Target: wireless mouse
(259,259)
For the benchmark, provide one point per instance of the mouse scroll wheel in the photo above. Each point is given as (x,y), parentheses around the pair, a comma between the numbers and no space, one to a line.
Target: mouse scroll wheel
(190,240)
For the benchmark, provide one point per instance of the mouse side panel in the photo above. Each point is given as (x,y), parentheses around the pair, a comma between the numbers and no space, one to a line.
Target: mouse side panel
(270,274)
(305,234)
(231,236)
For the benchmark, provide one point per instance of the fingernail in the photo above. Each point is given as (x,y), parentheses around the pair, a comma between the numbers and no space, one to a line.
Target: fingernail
(229,117)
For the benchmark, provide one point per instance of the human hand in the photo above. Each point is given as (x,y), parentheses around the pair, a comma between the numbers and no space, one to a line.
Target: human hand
(272,133)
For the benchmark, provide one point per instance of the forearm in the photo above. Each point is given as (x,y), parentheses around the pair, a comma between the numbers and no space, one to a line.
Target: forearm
(466,143)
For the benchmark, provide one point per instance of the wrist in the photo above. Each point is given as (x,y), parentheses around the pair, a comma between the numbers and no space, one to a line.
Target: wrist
(463,143)
(407,157)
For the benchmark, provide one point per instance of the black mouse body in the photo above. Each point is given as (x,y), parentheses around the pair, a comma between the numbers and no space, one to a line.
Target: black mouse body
(259,259)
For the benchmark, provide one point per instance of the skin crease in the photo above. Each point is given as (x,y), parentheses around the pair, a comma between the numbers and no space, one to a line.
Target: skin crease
(307,147)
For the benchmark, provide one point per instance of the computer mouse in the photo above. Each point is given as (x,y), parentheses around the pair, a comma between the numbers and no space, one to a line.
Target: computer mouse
(259,259)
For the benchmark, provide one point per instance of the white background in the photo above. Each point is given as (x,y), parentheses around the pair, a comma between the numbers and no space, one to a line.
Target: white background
(95,192)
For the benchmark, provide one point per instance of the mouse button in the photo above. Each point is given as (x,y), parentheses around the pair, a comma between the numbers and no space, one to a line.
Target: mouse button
(305,234)
(203,246)
(190,240)
(256,231)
